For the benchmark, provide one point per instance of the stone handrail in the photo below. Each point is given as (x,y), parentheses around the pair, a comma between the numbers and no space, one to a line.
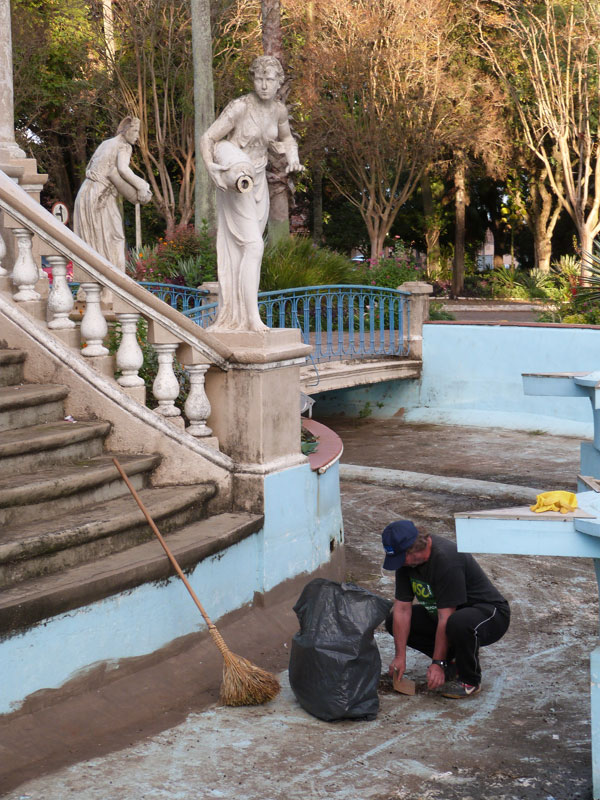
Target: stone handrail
(31,215)
(171,334)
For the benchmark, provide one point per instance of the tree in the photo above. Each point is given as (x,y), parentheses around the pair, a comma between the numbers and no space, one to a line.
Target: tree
(204,107)
(475,130)
(379,70)
(532,198)
(554,93)
(58,85)
(280,185)
(155,83)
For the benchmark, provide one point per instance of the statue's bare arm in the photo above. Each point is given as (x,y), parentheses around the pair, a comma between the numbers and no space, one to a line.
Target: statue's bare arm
(288,144)
(127,183)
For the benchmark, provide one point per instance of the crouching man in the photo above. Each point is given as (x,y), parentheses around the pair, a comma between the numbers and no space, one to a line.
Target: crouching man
(459,609)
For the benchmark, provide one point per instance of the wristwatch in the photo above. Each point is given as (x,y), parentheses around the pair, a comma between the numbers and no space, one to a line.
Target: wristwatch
(440,663)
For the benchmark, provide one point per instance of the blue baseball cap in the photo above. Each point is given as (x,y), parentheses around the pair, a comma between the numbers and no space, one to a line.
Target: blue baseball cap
(397,538)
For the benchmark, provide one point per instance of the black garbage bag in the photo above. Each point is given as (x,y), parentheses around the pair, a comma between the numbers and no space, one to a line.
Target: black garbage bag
(335,663)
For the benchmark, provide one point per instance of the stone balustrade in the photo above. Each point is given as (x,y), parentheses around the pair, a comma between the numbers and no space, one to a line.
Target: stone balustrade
(88,333)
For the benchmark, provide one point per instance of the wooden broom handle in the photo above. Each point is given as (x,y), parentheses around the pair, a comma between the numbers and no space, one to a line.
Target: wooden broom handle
(158,535)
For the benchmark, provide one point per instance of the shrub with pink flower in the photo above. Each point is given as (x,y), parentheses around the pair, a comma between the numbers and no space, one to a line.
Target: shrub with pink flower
(187,258)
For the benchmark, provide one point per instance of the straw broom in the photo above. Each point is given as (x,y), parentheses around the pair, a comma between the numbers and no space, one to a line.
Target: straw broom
(244,684)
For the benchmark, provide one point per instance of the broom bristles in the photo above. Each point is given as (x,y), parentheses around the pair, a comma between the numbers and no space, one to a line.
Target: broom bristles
(245,684)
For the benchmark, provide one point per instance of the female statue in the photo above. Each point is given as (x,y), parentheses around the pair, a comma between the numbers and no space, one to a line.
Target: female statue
(97,218)
(235,150)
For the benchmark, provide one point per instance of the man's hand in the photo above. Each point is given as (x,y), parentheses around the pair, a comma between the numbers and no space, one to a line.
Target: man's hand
(398,666)
(436,677)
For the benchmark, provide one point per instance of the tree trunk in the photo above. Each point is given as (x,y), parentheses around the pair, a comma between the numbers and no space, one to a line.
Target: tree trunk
(432,224)
(279,198)
(109,33)
(586,243)
(542,219)
(458,272)
(542,246)
(204,108)
(280,187)
(317,176)
(377,234)
(272,38)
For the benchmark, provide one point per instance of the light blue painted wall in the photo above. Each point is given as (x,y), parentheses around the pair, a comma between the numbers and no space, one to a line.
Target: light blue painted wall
(472,376)
(302,515)
(300,542)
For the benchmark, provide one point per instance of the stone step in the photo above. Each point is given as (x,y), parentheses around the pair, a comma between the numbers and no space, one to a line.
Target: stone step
(38,446)
(43,547)
(31,404)
(46,493)
(11,366)
(32,601)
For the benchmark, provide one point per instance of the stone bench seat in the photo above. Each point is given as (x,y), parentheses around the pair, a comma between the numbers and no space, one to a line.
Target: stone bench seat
(520,531)
(560,384)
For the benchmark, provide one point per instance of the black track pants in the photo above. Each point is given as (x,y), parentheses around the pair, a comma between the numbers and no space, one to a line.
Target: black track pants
(467,630)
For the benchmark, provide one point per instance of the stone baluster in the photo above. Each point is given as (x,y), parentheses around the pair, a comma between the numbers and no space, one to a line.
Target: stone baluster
(2,256)
(166,386)
(197,406)
(60,299)
(129,355)
(25,272)
(93,324)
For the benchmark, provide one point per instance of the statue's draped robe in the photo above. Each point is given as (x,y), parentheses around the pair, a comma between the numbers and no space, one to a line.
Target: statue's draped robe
(97,218)
(242,218)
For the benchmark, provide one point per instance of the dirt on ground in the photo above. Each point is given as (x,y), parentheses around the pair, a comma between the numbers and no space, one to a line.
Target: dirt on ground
(525,737)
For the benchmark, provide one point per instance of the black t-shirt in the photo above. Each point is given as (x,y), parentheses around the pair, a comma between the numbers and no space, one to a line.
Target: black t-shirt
(448,579)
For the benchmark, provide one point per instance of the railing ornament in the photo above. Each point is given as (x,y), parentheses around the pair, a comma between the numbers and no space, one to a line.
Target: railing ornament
(197,406)
(166,386)
(25,272)
(129,355)
(60,299)
(93,324)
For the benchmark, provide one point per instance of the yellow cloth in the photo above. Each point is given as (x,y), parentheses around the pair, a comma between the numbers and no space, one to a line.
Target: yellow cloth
(555,501)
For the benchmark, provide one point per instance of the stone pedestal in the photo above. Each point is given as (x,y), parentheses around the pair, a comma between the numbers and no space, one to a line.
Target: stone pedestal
(256,406)
(212,287)
(419,313)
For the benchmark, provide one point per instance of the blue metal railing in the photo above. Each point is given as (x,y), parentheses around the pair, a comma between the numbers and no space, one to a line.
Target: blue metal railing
(343,321)
(350,321)
(183,298)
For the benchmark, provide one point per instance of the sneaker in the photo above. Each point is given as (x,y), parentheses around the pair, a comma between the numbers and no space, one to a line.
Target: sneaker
(457,690)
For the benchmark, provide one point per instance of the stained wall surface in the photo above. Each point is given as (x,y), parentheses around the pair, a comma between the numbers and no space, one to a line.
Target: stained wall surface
(472,376)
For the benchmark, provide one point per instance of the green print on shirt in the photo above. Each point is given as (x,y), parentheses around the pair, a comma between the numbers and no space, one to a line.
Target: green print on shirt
(424,595)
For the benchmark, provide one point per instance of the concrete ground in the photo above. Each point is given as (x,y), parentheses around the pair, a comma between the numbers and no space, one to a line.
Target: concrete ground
(469,309)
(525,737)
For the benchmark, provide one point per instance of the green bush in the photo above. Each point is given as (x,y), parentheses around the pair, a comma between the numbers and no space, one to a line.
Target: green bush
(507,283)
(437,312)
(478,284)
(296,261)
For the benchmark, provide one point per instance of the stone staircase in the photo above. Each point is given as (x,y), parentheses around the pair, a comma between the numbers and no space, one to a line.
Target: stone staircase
(70,532)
